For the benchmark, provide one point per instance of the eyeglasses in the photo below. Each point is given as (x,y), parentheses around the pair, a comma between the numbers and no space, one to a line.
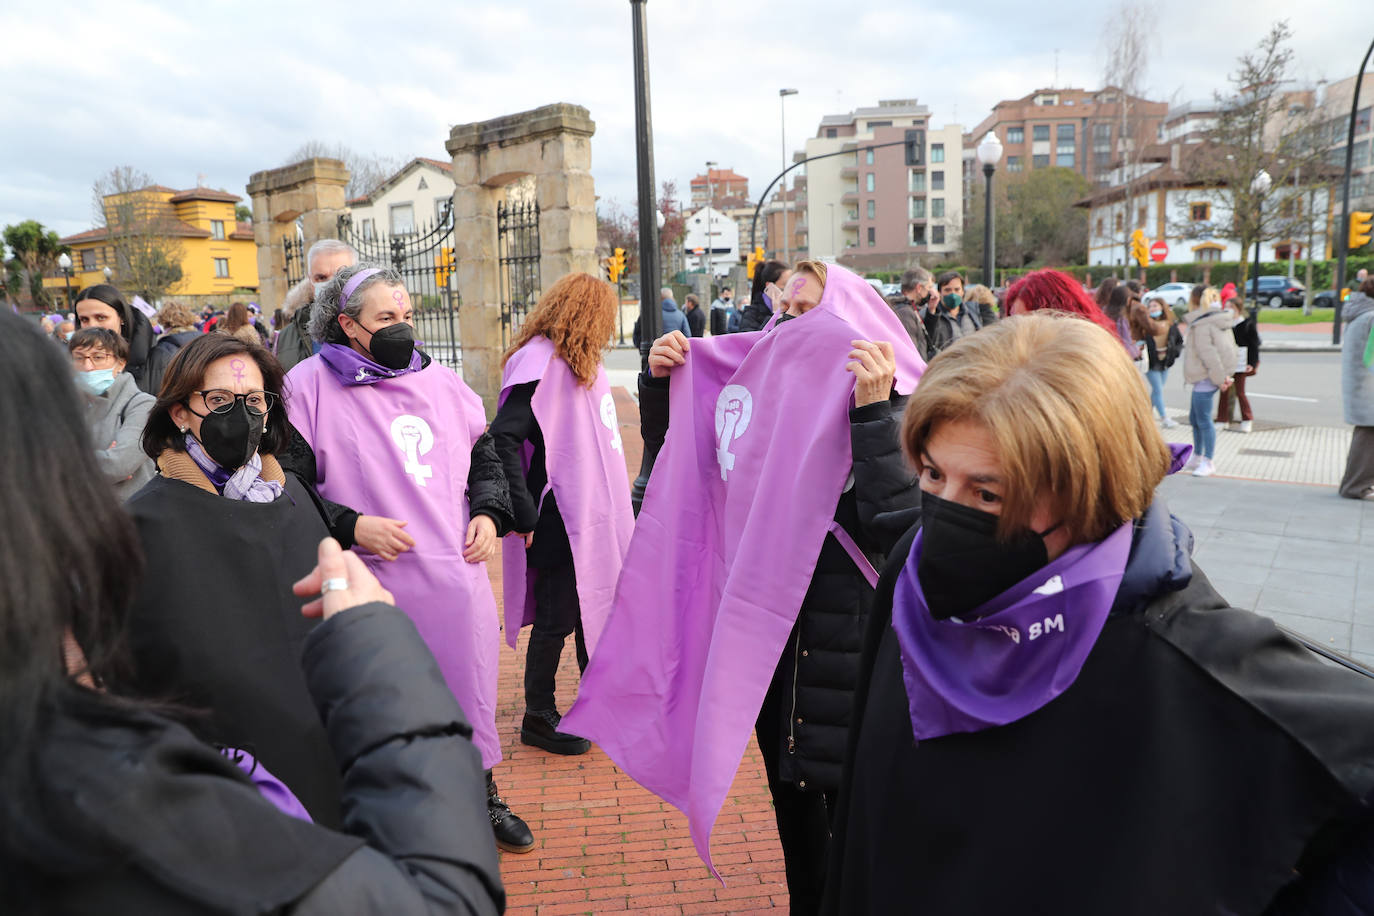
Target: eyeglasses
(222,400)
(100,359)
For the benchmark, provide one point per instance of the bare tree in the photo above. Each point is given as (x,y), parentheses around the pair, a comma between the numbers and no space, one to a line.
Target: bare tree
(366,172)
(142,229)
(1129,37)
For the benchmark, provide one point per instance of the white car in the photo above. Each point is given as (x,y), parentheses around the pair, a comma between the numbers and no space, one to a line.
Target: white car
(1172,293)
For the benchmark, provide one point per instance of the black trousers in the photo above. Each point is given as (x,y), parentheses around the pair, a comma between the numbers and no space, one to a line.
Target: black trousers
(556,614)
(803,817)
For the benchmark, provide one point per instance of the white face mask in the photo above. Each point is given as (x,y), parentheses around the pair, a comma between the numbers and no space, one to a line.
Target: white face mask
(319,287)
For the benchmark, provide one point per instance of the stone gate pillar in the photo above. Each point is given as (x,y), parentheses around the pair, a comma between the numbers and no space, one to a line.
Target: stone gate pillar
(312,191)
(553,145)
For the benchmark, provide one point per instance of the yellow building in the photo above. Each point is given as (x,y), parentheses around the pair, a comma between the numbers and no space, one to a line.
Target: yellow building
(217,253)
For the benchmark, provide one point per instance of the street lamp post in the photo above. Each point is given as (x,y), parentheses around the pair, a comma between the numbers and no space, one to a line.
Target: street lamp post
(64,261)
(709,260)
(1343,227)
(782,120)
(1259,187)
(989,154)
(650,316)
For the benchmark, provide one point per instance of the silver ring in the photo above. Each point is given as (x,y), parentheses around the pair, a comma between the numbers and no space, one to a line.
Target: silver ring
(333,585)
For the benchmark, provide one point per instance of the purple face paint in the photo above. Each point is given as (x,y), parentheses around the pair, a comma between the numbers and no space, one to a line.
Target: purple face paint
(238,366)
(400,298)
(798,284)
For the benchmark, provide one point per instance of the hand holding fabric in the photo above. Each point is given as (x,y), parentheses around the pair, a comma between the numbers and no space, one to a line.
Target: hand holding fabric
(384,537)
(667,353)
(874,366)
(337,563)
(481,541)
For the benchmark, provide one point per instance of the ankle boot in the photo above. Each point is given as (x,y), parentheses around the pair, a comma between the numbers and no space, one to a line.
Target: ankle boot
(512,834)
(540,729)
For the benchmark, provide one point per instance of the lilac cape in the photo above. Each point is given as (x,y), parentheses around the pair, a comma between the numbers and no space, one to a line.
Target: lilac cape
(737,507)
(400,447)
(1024,648)
(585,460)
(268,786)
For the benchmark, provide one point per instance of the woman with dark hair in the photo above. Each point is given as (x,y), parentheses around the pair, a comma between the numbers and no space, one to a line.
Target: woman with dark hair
(108,806)
(237,323)
(115,409)
(103,306)
(1157,326)
(762,302)
(1056,291)
(1118,311)
(559,440)
(220,604)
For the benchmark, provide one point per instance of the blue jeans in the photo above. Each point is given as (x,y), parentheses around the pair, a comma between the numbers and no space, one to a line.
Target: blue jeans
(1200,416)
(1157,377)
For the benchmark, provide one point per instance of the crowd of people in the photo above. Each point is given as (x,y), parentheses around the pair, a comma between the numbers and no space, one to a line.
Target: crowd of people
(913,548)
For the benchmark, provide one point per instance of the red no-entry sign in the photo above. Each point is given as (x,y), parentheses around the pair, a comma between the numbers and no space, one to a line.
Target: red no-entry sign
(1159,251)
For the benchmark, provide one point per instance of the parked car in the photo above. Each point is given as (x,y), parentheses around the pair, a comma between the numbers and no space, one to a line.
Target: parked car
(891,289)
(1326,299)
(1277,292)
(876,284)
(1172,293)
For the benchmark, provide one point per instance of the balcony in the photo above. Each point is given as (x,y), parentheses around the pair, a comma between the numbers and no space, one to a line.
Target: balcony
(850,222)
(849,171)
(850,197)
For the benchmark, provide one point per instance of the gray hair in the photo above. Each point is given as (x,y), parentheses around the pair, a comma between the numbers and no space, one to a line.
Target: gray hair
(298,297)
(914,278)
(324,315)
(328,246)
(665,292)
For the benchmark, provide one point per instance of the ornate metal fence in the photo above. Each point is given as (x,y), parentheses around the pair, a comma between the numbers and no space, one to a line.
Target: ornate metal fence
(425,260)
(517,234)
(294,249)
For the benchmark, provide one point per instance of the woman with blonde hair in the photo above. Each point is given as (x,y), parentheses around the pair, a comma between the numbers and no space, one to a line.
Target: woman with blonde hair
(1055,707)
(559,440)
(1156,326)
(1208,364)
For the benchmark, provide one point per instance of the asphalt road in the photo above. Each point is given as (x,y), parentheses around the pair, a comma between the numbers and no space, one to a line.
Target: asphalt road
(1293,389)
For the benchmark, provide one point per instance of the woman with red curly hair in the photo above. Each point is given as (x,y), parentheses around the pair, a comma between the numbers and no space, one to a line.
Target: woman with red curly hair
(559,440)
(1056,291)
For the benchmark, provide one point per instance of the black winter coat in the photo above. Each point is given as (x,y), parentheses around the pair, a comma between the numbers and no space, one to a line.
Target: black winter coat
(696,322)
(1173,346)
(820,665)
(514,425)
(161,357)
(942,328)
(754,316)
(1248,339)
(192,835)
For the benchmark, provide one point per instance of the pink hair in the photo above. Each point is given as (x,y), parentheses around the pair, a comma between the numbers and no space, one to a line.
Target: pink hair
(1057,291)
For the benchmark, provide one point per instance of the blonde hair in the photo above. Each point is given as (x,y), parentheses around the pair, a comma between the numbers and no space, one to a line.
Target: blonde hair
(578,315)
(980,294)
(1210,297)
(816,269)
(1066,408)
(175,316)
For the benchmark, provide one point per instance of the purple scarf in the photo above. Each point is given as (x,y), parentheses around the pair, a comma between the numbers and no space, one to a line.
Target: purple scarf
(352,368)
(268,786)
(244,484)
(1024,649)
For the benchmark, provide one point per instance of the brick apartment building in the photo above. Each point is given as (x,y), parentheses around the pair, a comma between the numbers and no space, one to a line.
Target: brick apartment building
(713,187)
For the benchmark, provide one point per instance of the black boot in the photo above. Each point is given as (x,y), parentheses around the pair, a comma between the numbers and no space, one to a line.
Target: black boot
(540,729)
(512,834)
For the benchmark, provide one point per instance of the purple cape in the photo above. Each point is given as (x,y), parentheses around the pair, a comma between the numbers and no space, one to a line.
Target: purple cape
(737,508)
(400,447)
(585,461)
(1024,648)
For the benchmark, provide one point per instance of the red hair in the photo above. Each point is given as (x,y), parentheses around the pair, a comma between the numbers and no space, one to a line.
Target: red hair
(1058,292)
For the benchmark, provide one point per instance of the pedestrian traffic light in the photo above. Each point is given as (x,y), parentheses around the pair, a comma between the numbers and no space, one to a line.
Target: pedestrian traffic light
(1360,233)
(1140,248)
(617,265)
(444,267)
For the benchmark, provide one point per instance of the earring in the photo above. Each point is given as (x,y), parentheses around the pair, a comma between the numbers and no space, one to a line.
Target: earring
(184,429)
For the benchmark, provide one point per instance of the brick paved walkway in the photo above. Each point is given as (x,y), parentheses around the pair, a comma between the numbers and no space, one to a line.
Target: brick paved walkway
(602,843)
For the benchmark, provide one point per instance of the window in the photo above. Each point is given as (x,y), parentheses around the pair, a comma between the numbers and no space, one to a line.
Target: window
(402,219)
(873,124)
(937,152)
(1040,162)
(1361,121)
(937,181)
(830,133)
(217,229)
(918,208)
(1047,98)
(439,204)
(868,181)
(221,267)
(1065,145)
(872,209)
(937,207)
(918,235)
(1102,146)
(937,235)
(1101,226)
(368,227)
(1203,255)
(1200,213)
(1013,163)
(1120,221)
(88,259)
(1016,135)
(872,236)
(1142,216)
(918,181)
(1040,132)
(1064,160)
(868,157)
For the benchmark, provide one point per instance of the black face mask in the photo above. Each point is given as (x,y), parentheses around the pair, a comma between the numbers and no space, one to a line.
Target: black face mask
(232,437)
(393,345)
(963,564)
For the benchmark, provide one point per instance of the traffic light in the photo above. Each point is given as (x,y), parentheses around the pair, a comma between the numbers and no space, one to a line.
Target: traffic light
(749,264)
(915,147)
(616,265)
(444,267)
(1140,248)
(1360,232)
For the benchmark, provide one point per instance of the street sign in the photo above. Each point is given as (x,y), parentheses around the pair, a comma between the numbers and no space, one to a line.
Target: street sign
(1159,251)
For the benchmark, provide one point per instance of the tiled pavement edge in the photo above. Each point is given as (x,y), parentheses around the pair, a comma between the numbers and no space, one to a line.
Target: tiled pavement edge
(1288,454)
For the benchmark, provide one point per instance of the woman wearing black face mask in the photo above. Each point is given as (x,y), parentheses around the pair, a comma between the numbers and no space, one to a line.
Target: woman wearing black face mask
(1056,711)
(226,531)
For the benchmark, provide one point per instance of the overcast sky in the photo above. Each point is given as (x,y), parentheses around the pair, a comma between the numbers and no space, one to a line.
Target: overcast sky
(223,89)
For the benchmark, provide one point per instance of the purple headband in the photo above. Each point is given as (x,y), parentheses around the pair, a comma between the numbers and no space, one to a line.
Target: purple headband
(353,283)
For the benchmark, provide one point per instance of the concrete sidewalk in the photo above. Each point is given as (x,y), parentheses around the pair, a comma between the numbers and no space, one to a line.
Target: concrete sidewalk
(1286,454)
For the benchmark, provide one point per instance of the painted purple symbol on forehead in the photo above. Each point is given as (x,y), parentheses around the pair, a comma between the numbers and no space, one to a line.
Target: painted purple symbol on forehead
(798,284)
(400,298)
(238,366)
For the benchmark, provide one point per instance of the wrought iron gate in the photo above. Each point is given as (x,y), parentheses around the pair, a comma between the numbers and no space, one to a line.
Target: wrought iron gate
(517,234)
(294,250)
(426,262)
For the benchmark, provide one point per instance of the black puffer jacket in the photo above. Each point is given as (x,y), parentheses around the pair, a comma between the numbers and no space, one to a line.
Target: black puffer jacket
(754,316)
(820,665)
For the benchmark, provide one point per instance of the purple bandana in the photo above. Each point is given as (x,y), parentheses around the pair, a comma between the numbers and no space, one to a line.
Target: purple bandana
(353,368)
(1025,649)
(244,484)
